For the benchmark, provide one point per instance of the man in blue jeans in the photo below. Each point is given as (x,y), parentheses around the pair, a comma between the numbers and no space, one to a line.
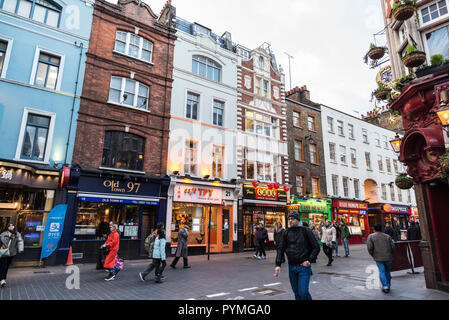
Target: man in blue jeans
(302,249)
(381,247)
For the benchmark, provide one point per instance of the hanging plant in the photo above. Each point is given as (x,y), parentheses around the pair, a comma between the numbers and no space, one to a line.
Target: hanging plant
(404,181)
(403,9)
(381,93)
(374,53)
(444,166)
(413,58)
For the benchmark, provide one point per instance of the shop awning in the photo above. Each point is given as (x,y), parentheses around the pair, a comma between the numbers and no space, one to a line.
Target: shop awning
(108,198)
(265,203)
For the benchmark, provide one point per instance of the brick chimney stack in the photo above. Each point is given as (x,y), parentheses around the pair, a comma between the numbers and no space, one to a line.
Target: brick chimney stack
(298,94)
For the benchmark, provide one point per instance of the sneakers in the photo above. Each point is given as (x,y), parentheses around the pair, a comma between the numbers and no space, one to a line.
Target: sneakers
(187,267)
(338,255)
(264,258)
(110,277)
(385,290)
(254,256)
(3,283)
(141,276)
(258,258)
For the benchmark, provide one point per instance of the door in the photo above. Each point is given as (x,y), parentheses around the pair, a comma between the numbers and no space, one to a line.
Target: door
(221,229)
(6,219)
(247,232)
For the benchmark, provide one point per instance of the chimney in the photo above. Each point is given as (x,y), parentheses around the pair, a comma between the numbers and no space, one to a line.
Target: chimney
(293,94)
(305,94)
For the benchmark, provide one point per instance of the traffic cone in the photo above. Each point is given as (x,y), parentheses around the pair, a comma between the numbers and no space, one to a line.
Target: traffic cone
(69,258)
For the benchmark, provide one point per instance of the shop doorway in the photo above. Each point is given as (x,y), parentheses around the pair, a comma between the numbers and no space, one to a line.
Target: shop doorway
(220,229)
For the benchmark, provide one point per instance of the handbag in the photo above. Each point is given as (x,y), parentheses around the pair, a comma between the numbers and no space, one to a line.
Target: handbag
(119,263)
(4,252)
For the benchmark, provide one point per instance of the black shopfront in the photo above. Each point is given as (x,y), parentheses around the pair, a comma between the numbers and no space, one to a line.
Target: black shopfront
(136,203)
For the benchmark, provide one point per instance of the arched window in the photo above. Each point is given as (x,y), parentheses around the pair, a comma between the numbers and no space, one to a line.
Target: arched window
(123,150)
(206,67)
(134,46)
(43,11)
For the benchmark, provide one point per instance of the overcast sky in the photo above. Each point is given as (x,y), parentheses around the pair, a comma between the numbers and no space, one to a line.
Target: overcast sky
(327,38)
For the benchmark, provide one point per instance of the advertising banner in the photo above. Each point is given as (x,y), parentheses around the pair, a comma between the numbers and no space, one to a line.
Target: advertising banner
(53,230)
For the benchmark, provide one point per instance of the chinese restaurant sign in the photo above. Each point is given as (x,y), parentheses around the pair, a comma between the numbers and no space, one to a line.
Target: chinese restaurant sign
(198,194)
(264,193)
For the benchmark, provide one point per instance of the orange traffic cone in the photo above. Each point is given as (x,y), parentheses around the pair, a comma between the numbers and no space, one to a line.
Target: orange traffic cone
(69,258)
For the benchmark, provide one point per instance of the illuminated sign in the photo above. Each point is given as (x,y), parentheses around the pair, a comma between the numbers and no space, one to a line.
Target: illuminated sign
(388,208)
(352,205)
(198,194)
(310,206)
(116,186)
(6,174)
(266,194)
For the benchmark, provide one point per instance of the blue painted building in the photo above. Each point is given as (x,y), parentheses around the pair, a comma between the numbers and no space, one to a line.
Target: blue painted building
(43,45)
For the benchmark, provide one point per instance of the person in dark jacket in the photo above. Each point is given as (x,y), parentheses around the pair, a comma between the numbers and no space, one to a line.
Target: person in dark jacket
(338,230)
(390,231)
(12,240)
(302,249)
(413,233)
(262,238)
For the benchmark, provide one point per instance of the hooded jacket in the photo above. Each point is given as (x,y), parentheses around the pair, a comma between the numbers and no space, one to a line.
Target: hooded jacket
(299,244)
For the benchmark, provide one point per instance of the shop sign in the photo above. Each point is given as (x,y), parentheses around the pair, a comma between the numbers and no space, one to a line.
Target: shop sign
(311,206)
(266,194)
(53,230)
(388,208)
(6,174)
(352,205)
(198,194)
(115,186)
(263,193)
(27,178)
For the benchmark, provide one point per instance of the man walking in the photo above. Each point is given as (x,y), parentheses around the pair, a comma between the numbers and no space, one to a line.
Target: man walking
(262,237)
(345,237)
(181,250)
(381,247)
(338,230)
(302,249)
(390,231)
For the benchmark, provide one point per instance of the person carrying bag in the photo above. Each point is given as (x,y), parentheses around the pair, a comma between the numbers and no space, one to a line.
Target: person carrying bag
(11,244)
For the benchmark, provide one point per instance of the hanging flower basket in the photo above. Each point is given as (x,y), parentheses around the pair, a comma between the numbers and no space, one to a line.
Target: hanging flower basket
(404,12)
(444,164)
(382,94)
(376,53)
(404,182)
(414,59)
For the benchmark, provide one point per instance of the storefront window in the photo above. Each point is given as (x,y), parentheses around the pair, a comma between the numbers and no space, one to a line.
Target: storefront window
(9,196)
(353,221)
(191,215)
(271,219)
(92,221)
(31,228)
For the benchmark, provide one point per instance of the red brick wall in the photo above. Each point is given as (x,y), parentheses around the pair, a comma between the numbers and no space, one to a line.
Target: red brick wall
(97,116)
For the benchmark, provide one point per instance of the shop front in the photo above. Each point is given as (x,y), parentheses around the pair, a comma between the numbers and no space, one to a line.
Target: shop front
(313,211)
(415,215)
(354,213)
(135,203)
(399,216)
(208,209)
(26,197)
(265,205)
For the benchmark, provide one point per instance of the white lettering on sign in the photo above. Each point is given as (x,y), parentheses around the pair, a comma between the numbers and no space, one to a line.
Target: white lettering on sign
(6,174)
(200,194)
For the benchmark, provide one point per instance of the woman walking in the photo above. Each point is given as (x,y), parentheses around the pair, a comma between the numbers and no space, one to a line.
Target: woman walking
(113,243)
(11,240)
(157,253)
(328,238)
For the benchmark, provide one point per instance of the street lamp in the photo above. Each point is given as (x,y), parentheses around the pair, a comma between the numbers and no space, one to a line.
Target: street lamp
(443,114)
(396,143)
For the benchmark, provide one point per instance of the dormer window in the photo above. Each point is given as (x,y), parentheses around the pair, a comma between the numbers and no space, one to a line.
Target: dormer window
(201,30)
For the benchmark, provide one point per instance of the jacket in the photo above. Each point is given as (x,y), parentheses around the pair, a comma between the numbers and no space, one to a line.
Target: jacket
(392,233)
(277,235)
(329,235)
(16,245)
(413,233)
(262,235)
(159,249)
(181,250)
(150,239)
(338,230)
(344,231)
(380,246)
(113,242)
(299,244)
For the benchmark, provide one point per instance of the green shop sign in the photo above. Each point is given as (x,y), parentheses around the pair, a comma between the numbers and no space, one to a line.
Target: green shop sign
(310,206)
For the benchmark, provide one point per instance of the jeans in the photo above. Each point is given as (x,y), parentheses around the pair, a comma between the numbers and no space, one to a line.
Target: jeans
(346,245)
(328,252)
(384,273)
(4,266)
(175,261)
(336,247)
(262,248)
(299,280)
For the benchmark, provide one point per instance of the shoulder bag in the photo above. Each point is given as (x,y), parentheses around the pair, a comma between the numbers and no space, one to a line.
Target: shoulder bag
(4,252)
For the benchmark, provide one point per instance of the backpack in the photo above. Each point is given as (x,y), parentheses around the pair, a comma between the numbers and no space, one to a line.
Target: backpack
(149,243)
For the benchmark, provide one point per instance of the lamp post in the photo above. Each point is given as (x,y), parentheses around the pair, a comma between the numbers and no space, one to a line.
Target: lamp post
(208,237)
(396,143)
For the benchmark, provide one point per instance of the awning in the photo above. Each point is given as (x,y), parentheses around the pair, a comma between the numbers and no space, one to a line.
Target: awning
(108,198)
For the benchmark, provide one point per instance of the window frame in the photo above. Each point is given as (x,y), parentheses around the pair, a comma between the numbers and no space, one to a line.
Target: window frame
(345,181)
(274,174)
(136,93)
(342,134)
(356,188)
(57,9)
(341,154)
(353,163)
(315,147)
(212,170)
(37,53)
(334,158)
(144,141)
(128,43)
(330,123)
(309,116)
(299,119)
(318,186)
(50,134)
(431,21)
(303,187)
(351,134)
(302,149)
(9,44)
(196,157)
(334,180)
(209,63)
(222,108)
(194,93)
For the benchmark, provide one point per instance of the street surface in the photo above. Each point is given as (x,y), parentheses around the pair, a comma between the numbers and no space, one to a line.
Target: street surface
(224,277)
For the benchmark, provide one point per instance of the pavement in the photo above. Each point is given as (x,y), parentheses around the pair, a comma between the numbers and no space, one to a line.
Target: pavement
(236,276)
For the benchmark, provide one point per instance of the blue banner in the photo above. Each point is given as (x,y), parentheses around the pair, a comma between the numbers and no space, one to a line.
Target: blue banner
(53,230)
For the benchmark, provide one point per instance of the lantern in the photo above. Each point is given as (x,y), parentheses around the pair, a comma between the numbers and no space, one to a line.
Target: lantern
(443,114)
(255,184)
(286,188)
(396,144)
(270,186)
(276,186)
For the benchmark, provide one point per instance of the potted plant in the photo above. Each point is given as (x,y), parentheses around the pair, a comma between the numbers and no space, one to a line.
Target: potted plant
(404,181)
(403,9)
(374,52)
(413,58)
(381,93)
(437,64)
(444,166)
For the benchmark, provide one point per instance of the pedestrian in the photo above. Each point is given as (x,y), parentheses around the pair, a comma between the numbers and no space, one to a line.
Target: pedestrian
(12,241)
(315,232)
(278,235)
(104,232)
(256,242)
(157,250)
(328,239)
(149,247)
(262,238)
(113,244)
(338,230)
(344,235)
(302,249)
(413,233)
(381,247)
(419,230)
(390,231)
(182,249)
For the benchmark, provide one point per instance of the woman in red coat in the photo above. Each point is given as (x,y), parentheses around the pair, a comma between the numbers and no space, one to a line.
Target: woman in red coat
(113,244)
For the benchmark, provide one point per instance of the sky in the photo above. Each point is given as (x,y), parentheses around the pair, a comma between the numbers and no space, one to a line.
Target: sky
(327,39)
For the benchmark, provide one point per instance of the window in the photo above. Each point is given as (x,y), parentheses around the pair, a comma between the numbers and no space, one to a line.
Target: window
(218,113)
(377,139)
(365,136)
(340,128)
(265,88)
(393,197)
(299,154)
(395,166)
(313,150)
(300,185)
(134,46)
(258,86)
(316,188)
(260,124)
(388,165)
(438,42)
(409,196)
(193,101)
(399,195)
(36,135)
(190,157)
(335,185)
(261,62)
(380,163)
(47,71)
(261,166)
(206,67)
(384,191)
(296,119)
(343,154)
(3,48)
(434,11)
(217,161)
(357,188)
(129,93)
(330,124)
(351,131)
(332,152)
(345,187)
(354,157)
(45,12)
(311,123)
(368,160)
(385,142)
(123,150)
